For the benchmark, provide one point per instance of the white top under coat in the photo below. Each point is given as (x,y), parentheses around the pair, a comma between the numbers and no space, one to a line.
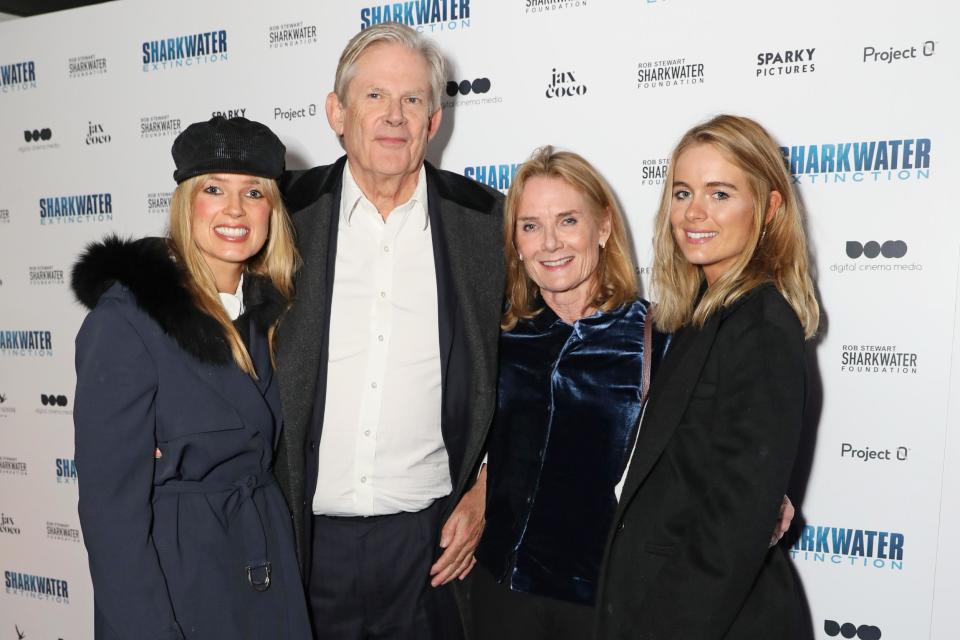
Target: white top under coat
(233,302)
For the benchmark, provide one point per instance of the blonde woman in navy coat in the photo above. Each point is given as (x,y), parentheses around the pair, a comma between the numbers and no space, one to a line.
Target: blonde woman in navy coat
(177,409)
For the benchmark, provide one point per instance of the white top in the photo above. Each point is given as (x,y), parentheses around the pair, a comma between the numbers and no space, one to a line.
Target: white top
(617,490)
(382,451)
(233,302)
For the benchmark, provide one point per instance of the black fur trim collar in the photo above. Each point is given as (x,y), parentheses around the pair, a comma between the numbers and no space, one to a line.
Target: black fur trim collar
(147,269)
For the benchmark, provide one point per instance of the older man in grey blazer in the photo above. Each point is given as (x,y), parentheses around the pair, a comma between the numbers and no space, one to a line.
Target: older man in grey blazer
(387,358)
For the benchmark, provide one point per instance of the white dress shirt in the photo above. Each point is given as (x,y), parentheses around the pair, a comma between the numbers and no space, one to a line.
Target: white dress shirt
(233,302)
(382,451)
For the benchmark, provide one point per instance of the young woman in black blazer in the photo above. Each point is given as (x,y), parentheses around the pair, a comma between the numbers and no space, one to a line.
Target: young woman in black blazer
(688,555)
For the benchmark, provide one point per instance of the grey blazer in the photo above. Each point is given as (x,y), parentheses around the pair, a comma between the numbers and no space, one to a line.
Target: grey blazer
(466,222)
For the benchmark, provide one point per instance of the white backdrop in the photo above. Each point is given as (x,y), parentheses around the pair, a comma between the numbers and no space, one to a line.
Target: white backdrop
(865,90)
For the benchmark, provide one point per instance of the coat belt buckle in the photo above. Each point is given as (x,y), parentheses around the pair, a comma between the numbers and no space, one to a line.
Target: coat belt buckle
(254,573)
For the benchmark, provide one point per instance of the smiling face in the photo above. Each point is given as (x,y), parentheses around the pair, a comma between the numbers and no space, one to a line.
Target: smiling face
(230,224)
(386,120)
(712,211)
(558,236)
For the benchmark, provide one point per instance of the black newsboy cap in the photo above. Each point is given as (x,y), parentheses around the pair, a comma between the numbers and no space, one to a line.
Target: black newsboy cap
(234,145)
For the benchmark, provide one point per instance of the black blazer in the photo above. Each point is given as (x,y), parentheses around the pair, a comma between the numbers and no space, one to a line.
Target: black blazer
(466,222)
(688,555)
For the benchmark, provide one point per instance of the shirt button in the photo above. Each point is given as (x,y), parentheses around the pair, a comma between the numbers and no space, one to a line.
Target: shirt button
(383,294)
(363,479)
(380,337)
(367,433)
(386,248)
(373,385)
(620,526)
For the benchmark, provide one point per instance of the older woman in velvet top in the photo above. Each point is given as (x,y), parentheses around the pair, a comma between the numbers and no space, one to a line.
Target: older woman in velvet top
(571,369)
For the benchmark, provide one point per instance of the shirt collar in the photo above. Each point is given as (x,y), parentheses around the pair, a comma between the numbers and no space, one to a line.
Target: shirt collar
(233,302)
(352,198)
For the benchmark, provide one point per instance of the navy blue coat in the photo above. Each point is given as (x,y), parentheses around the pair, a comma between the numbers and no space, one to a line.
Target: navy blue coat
(184,545)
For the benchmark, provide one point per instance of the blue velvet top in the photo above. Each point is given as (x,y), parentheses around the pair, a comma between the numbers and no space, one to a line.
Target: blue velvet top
(567,414)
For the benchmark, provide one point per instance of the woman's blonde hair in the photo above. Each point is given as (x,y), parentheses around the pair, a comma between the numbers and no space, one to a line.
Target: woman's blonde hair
(616,276)
(777,250)
(277,260)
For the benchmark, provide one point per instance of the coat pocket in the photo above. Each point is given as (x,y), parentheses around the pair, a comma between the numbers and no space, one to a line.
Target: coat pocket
(187,425)
(191,410)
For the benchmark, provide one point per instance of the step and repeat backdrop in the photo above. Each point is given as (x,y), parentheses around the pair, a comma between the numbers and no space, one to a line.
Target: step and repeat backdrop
(862,96)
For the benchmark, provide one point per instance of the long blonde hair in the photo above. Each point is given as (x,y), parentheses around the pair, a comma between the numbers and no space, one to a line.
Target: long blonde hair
(277,261)
(778,249)
(616,276)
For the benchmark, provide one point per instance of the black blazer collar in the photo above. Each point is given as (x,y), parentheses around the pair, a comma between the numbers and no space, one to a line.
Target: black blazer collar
(459,190)
(301,189)
(671,388)
(313,199)
(669,395)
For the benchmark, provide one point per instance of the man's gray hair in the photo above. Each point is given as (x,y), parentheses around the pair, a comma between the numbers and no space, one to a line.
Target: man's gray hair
(391,32)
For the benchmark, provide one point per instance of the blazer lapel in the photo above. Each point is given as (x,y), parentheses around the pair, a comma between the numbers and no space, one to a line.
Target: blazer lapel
(303,334)
(669,396)
(469,297)
(446,285)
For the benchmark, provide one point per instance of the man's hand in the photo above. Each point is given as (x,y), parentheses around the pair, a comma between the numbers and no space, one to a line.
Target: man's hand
(461,534)
(787,512)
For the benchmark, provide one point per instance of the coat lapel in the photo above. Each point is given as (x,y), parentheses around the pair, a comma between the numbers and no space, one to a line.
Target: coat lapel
(260,353)
(237,392)
(247,398)
(221,380)
(669,396)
